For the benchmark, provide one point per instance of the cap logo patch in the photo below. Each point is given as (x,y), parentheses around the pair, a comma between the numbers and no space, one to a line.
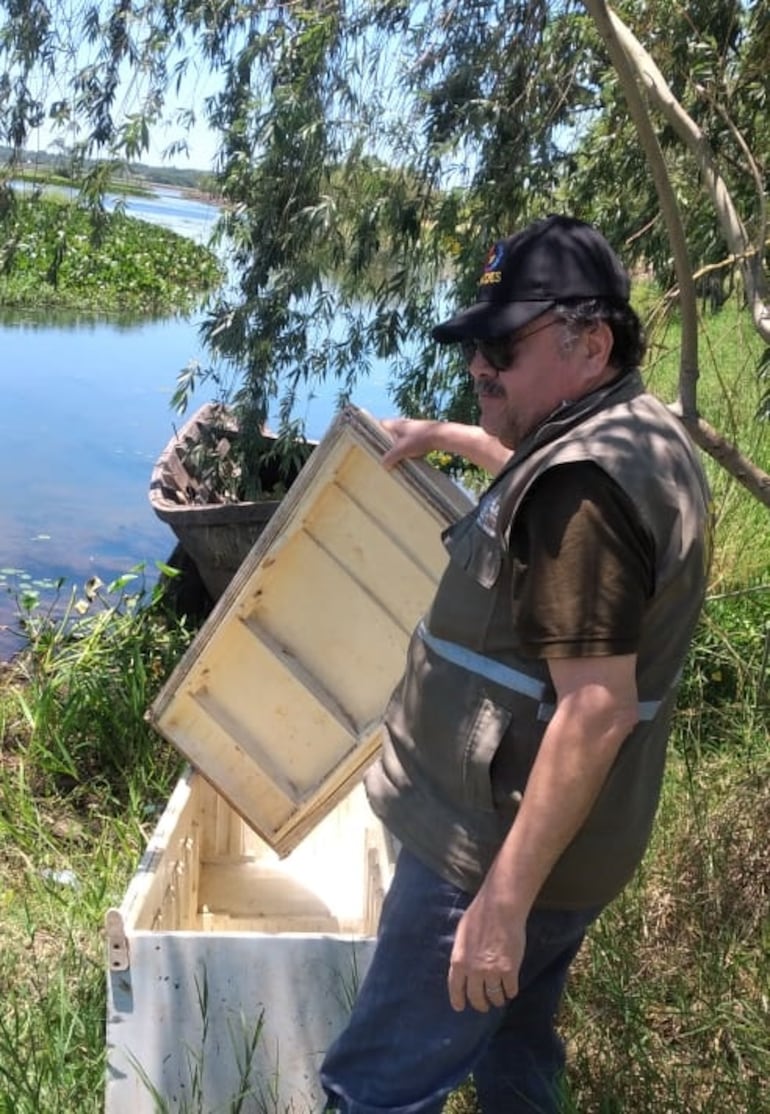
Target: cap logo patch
(491,273)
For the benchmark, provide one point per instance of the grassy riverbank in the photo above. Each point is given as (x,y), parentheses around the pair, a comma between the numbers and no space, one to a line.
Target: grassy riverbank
(54,254)
(668,1010)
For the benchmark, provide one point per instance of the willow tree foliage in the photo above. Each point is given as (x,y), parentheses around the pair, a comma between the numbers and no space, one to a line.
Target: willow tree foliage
(369,151)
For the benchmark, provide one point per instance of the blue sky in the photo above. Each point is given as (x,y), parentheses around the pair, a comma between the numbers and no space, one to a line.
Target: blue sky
(197,84)
(201,142)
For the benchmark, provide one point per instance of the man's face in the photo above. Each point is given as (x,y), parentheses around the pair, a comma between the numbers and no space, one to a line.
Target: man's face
(522,378)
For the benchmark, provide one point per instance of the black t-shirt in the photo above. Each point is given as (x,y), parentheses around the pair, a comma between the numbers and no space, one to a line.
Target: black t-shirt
(583,565)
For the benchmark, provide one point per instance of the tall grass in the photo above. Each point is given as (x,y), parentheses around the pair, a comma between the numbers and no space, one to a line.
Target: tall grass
(82,780)
(729,395)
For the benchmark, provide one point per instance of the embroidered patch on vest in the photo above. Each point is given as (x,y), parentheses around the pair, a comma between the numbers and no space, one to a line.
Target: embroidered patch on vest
(488,513)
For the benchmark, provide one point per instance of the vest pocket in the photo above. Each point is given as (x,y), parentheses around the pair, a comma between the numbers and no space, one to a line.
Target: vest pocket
(447,747)
(486,733)
(474,551)
(445,728)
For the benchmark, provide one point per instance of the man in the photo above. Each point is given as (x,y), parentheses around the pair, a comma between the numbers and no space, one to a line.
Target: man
(524,746)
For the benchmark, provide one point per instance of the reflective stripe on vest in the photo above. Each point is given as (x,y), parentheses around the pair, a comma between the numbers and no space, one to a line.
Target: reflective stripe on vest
(506,676)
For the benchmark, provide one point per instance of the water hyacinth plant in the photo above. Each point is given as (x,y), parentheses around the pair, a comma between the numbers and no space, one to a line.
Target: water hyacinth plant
(55,254)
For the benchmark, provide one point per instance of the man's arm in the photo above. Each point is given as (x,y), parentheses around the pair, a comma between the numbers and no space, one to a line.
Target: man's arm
(413,437)
(597,707)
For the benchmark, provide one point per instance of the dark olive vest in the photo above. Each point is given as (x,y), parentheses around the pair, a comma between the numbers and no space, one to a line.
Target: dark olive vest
(463,726)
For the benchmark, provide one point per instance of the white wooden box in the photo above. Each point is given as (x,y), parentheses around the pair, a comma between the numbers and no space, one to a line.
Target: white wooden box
(254,910)
(232,971)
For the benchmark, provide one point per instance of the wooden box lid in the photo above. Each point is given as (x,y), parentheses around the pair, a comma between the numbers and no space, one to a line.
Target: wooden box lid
(278,699)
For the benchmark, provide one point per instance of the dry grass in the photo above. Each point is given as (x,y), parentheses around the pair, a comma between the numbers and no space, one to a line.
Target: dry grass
(668,1011)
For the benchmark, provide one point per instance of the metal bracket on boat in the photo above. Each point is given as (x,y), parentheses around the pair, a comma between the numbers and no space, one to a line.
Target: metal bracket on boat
(117,941)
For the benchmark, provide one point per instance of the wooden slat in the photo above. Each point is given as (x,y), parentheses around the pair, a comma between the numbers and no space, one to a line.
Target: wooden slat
(402,506)
(272,713)
(209,749)
(311,606)
(255,890)
(146,894)
(306,680)
(393,578)
(236,733)
(346,775)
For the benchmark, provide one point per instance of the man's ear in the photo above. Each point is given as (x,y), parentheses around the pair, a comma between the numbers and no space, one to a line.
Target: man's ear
(597,342)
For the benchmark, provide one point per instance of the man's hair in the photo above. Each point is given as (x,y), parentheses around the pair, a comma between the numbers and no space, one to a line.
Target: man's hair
(629,343)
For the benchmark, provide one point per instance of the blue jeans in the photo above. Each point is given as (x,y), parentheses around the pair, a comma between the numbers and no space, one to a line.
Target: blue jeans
(405,1048)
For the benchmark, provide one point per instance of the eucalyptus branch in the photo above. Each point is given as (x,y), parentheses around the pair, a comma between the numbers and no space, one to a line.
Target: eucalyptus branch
(631,61)
(728,456)
(626,66)
(756,174)
(694,139)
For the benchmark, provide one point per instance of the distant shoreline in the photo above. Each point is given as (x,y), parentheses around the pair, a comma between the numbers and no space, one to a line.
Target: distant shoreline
(46,166)
(190,193)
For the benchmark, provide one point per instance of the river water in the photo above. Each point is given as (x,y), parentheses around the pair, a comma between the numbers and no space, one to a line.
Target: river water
(84,412)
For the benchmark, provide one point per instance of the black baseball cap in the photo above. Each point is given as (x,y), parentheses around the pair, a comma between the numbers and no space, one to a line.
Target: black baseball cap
(555,259)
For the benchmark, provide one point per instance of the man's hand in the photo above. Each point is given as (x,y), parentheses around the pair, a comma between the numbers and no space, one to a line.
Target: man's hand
(487,954)
(416,437)
(412,437)
(596,708)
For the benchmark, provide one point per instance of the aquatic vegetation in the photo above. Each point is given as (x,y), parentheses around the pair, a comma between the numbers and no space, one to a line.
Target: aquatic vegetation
(55,254)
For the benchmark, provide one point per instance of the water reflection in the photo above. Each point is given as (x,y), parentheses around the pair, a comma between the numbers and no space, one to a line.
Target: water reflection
(188,216)
(63,318)
(84,413)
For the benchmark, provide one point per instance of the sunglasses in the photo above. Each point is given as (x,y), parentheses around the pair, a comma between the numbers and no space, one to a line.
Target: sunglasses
(498,352)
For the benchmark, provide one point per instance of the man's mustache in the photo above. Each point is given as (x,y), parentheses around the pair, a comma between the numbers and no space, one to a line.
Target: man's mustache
(489,387)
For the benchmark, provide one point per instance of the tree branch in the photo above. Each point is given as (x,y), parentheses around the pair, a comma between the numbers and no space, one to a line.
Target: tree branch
(626,66)
(694,139)
(728,456)
(630,61)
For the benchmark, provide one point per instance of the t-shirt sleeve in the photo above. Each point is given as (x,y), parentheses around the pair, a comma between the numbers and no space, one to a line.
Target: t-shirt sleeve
(583,566)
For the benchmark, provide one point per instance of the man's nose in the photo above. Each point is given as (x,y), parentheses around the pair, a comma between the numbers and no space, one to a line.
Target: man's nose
(480,368)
